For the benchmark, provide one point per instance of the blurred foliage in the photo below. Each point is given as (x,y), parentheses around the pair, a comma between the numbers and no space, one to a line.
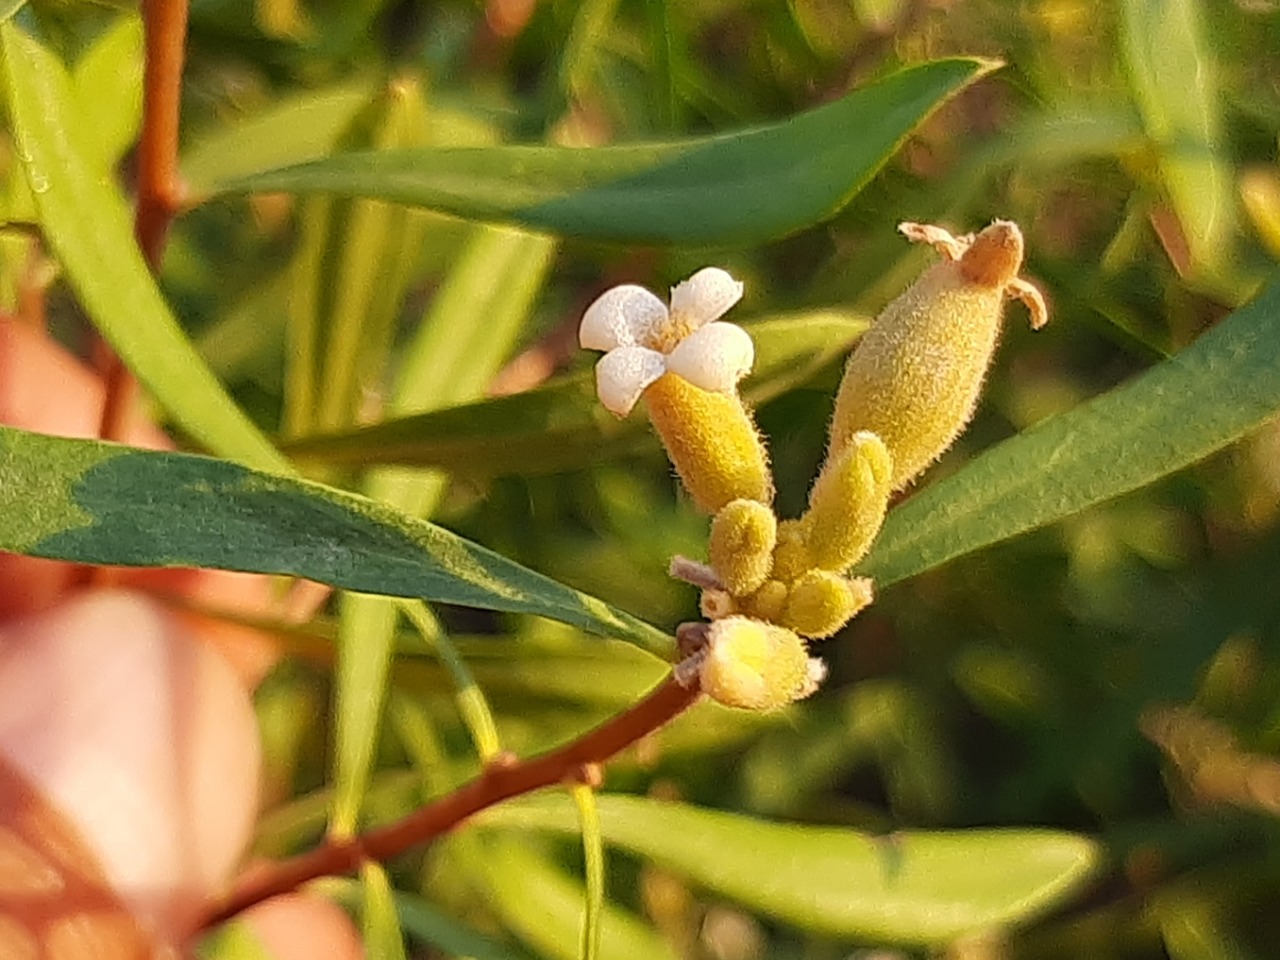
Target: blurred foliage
(1116,674)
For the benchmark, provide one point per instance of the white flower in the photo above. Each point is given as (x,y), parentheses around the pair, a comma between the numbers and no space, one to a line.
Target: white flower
(645,339)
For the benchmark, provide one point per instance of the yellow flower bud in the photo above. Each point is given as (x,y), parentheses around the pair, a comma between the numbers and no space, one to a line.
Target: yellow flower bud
(756,666)
(821,602)
(915,376)
(767,603)
(847,505)
(791,555)
(743,534)
(712,442)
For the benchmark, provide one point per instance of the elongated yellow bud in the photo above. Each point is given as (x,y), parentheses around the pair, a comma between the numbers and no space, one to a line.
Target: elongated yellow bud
(821,602)
(711,441)
(847,505)
(915,376)
(743,535)
(756,666)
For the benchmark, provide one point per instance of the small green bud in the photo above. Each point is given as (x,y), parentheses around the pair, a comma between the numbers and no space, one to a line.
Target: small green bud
(756,666)
(847,505)
(743,535)
(914,378)
(821,602)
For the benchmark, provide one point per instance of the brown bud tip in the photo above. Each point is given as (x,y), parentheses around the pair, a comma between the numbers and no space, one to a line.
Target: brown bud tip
(691,638)
(994,257)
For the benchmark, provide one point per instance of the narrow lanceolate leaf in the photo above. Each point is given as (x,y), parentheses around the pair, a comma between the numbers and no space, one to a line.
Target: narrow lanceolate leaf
(912,887)
(429,925)
(542,905)
(379,919)
(1212,393)
(90,230)
(1172,76)
(93,502)
(108,85)
(742,187)
(293,130)
(562,425)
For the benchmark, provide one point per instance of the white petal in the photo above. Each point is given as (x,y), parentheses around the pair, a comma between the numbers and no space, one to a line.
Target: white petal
(621,317)
(623,373)
(714,358)
(705,296)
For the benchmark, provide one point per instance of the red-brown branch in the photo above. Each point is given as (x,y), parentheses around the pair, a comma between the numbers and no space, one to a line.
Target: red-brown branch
(500,781)
(159,187)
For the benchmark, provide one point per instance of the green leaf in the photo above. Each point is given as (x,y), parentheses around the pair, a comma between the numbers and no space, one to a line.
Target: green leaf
(366,626)
(911,887)
(379,919)
(741,188)
(584,798)
(293,130)
(1180,411)
(108,86)
(93,502)
(424,923)
(543,906)
(1172,76)
(90,230)
(562,425)
(470,329)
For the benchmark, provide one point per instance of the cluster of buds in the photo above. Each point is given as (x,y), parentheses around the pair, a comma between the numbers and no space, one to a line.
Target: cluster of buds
(770,586)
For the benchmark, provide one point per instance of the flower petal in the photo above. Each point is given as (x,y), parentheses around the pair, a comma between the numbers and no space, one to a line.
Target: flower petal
(621,317)
(623,373)
(704,297)
(714,358)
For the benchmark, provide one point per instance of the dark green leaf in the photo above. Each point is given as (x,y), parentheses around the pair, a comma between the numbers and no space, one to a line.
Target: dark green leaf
(1198,401)
(743,187)
(95,502)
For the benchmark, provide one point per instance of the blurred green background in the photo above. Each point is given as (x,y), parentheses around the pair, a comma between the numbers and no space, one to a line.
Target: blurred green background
(1116,674)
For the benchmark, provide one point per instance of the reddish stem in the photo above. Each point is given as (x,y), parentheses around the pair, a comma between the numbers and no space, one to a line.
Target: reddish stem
(502,780)
(159,188)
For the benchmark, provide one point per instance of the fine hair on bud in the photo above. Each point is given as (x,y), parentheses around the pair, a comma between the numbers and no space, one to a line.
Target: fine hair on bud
(915,377)
(712,442)
(743,535)
(848,502)
(754,665)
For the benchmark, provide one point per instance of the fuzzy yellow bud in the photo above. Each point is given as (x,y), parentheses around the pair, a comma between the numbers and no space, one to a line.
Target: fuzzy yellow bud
(847,505)
(791,555)
(821,602)
(711,441)
(743,535)
(914,378)
(756,666)
(767,603)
